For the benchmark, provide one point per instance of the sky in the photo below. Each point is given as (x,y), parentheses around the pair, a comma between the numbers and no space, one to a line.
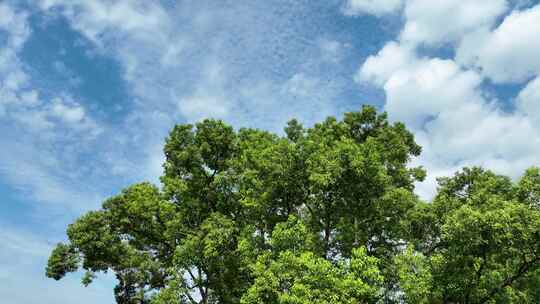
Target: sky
(90,88)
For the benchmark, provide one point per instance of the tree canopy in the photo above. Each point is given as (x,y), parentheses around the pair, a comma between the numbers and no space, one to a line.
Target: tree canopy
(325,214)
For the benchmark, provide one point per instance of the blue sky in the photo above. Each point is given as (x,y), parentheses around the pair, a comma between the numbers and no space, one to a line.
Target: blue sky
(89,90)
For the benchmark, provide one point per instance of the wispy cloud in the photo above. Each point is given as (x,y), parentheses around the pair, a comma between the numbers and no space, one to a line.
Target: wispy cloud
(22,259)
(373,7)
(204,59)
(42,136)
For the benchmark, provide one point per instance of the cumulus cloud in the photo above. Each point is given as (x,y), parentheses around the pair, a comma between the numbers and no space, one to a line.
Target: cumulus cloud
(435,22)
(444,101)
(528,101)
(392,57)
(509,53)
(372,7)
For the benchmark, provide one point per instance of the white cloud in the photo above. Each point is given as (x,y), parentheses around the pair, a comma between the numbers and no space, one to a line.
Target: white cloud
(18,99)
(143,19)
(30,98)
(392,57)
(206,59)
(444,101)
(174,79)
(372,7)
(68,113)
(42,137)
(15,23)
(199,106)
(528,101)
(12,77)
(428,88)
(452,118)
(510,52)
(434,22)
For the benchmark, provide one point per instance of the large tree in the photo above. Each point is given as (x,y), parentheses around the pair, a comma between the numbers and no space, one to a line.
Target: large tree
(325,214)
(478,242)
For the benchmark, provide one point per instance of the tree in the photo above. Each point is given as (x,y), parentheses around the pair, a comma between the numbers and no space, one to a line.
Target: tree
(483,242)
(324,214)
(346,181)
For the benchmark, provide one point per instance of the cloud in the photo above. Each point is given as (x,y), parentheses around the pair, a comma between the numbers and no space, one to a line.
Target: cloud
(180,64)
(43,137)
(301,85)
(209,97)
(331,50)
(244,72)
(378,69)
(372,7)
(45,177)
(15,23)
(436,22)
(190,60)
(444,101)
(528,101)
(23,257)
(95,18)
(245,45)
(509,52)
(69,113)
(19,101)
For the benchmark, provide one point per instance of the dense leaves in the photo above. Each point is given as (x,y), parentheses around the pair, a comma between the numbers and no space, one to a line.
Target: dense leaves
(325,214)
(484,242)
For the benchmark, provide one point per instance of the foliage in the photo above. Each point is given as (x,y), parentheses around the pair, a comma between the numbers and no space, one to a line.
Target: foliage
(485,242)
(325,214)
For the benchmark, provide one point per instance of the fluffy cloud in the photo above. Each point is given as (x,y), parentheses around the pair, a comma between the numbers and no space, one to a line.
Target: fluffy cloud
(434,22)
(510,52)
(392,57)
(373,7)
(528,101)
(420,93)
(456,122)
